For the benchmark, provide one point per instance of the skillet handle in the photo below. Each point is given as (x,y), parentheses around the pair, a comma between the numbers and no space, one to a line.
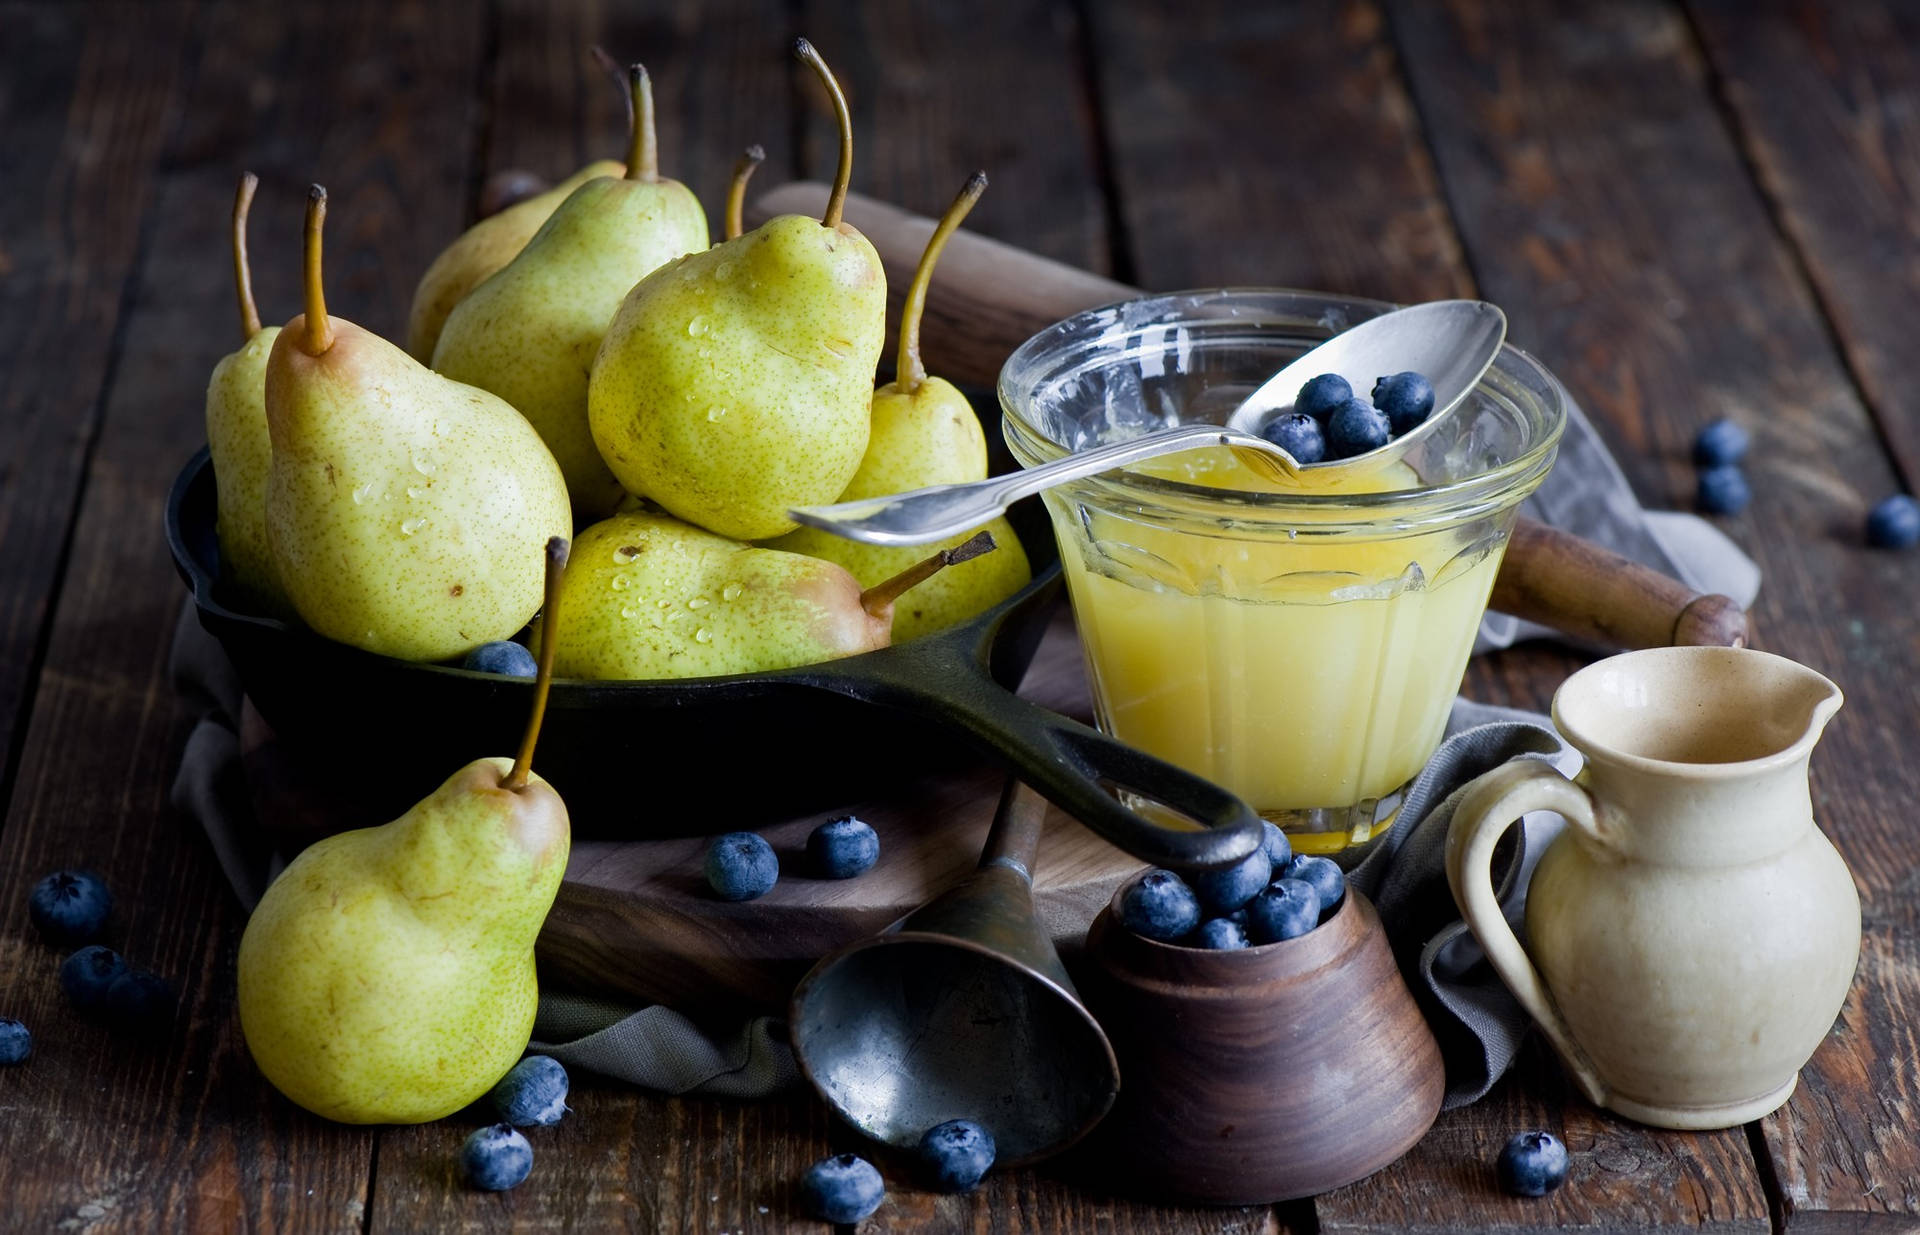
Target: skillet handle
(1068,762)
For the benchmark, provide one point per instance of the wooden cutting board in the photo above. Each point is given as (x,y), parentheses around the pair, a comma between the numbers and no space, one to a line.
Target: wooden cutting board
(635,918)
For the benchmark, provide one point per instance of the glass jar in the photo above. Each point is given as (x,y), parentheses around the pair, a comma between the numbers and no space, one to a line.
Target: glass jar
(1300,648)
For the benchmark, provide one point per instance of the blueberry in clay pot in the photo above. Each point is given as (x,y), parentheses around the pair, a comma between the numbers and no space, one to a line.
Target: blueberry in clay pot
(741,866)
(1299,435)
(1159,905)
(844,1189)
(1723,490)
(1894,523)
(1220,935)
(1721,442)
(87,974)
(502,657)
(533,1093)
(1532,1164)
(15,1042)
(1279,848)
(1223,891)
(1322,395)
(1355,429)
(1286,909)
(140,1000)
(842,848)
(958,1154)
(495,1159)
(1328,880)
(1405,399)
(69,907)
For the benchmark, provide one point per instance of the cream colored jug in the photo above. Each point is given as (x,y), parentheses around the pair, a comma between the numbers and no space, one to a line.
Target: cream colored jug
(1692,934)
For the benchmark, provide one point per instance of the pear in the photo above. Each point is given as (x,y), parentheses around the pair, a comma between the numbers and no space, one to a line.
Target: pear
(387,975)
(237,438)
(732,384)
(529,333)
(923,432)
(743,168)
(405,511)
(649,596)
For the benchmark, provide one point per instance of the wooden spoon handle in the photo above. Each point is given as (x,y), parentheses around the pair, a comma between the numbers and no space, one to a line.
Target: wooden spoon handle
(988,297)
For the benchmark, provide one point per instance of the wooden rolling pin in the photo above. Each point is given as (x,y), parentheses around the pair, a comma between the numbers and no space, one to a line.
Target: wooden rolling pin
(989,297)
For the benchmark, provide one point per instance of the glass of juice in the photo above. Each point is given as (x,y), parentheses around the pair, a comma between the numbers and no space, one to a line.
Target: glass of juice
(1301,645)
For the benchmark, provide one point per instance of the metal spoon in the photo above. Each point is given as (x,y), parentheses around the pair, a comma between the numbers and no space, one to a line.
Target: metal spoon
(1451,341)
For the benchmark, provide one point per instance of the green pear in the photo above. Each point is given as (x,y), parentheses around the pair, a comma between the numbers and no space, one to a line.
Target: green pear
(405,511)
(387,976)
(733,384)
(238,441)
(923,432)
(529,333)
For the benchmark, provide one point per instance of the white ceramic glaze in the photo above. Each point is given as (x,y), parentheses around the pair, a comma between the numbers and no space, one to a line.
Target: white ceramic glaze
(1692,934)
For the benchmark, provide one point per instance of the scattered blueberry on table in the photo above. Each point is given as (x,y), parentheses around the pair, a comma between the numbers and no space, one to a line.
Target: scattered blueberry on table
(741,866)
(1285,909)
(1299,434)
(1532,1164)
(1222,891)
(1405,399)
(842,848)
(1355,428)
(88,974)
(141,1000)
(1723,490)
(70,907)
(1324,874)
(496,1158)
(1159,905)
(842,1189)
(1221,935)
(16,1043)
(533,1093)
(1322,395)
(502,657)
(958,1154)
(1719,443)
(1894,523)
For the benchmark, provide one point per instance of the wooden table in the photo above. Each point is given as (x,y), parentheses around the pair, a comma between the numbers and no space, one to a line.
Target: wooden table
(1687,209)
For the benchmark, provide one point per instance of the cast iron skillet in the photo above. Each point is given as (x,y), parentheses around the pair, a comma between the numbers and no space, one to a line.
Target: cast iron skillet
(641,760)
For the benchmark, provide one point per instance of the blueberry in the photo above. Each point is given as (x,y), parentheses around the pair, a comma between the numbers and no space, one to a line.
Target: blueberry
(1286,909)
(1221,935)
(504,657)
(741,866)
(495,1159)
(844,1188)
(1328,880)
(140,1000)
(70,907)
(1723,490)
(1405,399)
(1298,434)
(1279,848)
(842,848)
(1533,1164)
(533,1093)
(1355,429)
(1159,905)
(1223,891)
(87,974)
(15,1042)
(1321,395)
(1894,523)
(958,1154)
(1721,442)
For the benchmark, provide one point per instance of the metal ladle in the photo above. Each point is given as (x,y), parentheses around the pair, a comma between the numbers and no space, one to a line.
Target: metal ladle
(1452,342)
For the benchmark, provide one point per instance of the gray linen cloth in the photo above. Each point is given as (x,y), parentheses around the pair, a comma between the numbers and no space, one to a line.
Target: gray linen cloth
(1477,1022)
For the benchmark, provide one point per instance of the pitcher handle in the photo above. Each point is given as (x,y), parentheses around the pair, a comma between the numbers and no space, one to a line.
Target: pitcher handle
(1492,803)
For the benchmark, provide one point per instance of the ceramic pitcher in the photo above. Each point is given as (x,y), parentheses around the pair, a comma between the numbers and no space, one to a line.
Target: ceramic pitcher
(1691,934)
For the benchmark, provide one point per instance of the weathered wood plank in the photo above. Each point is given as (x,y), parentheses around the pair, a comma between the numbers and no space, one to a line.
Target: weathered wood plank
(181,1132)
(1604,204)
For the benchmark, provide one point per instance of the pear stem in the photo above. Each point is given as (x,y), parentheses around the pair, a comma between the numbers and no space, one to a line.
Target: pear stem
(643,149)
(743,169)
(614,69)
(516,778)
(843,176)
(319,330)
(878,599)
(908,371)
(242,274)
